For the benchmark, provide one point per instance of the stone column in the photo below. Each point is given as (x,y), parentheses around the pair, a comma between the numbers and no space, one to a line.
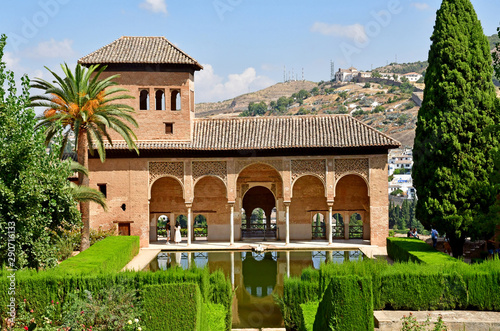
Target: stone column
(330,216)
(189,206)
(287,222)
(288,264)
(231,237)
(232,269)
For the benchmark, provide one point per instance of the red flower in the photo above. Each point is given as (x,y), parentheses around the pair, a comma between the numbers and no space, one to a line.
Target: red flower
(26,328)
(31,310)
(52,301)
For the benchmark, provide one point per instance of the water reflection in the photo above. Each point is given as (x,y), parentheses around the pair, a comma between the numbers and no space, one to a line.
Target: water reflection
(256,277)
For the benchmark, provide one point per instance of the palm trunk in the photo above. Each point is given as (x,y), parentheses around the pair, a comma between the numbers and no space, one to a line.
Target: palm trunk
(83,159)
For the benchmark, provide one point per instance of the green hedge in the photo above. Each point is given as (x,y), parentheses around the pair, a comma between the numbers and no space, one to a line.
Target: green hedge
(347,304)
(295,293)
(221,292)
(216,317)
(308,314)
(110,254)
(416,250)
(40,288)
(173,307)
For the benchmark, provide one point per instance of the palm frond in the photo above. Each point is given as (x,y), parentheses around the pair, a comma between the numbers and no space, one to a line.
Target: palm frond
(87,194)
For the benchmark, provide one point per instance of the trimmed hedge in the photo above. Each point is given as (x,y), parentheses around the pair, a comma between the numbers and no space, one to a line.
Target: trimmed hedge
(216,317)
(347,304)
(221,292)
(40,288)
(295,293)
(173,307)
(308,314)
(110,254)
(416,250)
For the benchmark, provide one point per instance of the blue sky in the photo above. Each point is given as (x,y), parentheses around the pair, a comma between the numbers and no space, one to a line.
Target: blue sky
(243,44)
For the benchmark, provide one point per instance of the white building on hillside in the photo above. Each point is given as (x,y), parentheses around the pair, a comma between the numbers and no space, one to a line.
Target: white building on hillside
(346,75)
(413,76)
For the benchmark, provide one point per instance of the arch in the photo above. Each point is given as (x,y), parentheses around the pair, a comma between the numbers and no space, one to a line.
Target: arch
(349,174)
(338,227)
(210,199)
(144,99)
(167,176)
(175,100)
(214,176)
(308,199)
(260,163)
(351,193)
(200,229)
(160,100)
(308,174)
(258,197)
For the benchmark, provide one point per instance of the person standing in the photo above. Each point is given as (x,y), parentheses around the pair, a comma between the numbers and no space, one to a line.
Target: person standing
(177,236)
(168,232)
(434,236)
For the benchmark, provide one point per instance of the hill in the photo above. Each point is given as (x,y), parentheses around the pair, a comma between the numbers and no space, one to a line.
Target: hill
(404,68)
(233,107)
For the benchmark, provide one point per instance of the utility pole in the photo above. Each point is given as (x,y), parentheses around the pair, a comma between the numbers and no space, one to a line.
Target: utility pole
(332,70)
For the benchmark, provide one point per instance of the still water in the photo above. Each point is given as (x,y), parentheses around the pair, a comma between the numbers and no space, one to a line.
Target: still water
(255,276)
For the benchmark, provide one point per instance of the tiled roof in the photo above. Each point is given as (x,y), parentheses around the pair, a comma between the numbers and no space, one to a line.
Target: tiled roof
(267,133)
(153,50)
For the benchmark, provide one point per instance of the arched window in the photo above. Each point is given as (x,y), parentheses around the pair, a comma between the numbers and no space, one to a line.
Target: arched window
(144,100)
(160,100)
(355,226)
(318,226)
(200,227)
(338,226)
(175,100)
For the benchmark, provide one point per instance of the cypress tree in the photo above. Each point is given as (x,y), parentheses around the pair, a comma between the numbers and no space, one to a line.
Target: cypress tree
(452,152)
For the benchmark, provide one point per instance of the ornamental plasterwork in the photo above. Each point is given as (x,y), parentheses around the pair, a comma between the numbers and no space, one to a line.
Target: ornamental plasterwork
(162,169)
(357,166)
(276,164)
(244,189)
(308,167)
(210,168)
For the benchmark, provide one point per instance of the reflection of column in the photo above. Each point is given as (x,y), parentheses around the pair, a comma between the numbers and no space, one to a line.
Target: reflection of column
(189,225)
(330,256)
(287,223)
(189,260)
(232,269)
(231,237)
(288,264)
(330,235)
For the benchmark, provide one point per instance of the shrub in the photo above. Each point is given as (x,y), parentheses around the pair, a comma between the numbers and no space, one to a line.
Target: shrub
(308,314)
(295,293)
(221,292)
(110,254)
(415,250)
(346,305)
(216,317)
(172,307)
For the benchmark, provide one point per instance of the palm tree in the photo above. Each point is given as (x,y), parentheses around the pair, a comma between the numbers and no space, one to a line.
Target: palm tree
(82,193)
(87,106)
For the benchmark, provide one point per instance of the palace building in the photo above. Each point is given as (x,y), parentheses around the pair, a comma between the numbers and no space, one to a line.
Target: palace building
(313,176)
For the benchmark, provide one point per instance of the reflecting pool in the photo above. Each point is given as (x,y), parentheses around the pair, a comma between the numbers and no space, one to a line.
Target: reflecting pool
(255,276)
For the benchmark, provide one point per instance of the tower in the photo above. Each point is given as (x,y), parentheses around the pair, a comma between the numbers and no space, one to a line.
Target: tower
(160,77)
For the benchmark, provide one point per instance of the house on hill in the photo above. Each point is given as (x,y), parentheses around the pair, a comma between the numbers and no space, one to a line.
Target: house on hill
(293,167)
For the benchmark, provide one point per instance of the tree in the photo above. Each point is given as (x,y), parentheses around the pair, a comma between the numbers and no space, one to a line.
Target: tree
(376,74)
(256,109)
(452,155)
(82,103)
(35,199)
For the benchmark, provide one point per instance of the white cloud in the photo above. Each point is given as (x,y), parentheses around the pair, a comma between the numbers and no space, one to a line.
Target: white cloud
(420,5)
(155,6)
(356,32)
(211,87)
(11,62)
(52,49)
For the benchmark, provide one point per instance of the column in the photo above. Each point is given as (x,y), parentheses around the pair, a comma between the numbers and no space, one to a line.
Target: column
(287,222)
(330,216)
(189,224)
(231,237)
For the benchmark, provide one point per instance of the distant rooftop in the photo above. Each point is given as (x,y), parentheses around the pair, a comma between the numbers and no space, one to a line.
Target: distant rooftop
(143,50)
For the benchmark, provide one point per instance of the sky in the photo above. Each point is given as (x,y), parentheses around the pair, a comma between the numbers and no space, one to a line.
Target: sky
(244,45)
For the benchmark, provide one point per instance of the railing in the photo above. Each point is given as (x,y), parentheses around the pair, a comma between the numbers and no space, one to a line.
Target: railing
(318,232)
(338,231)
(355,232)
(200,231)
(259,231)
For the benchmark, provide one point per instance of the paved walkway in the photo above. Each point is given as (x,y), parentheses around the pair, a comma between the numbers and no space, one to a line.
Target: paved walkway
(141,260)
(459,320)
